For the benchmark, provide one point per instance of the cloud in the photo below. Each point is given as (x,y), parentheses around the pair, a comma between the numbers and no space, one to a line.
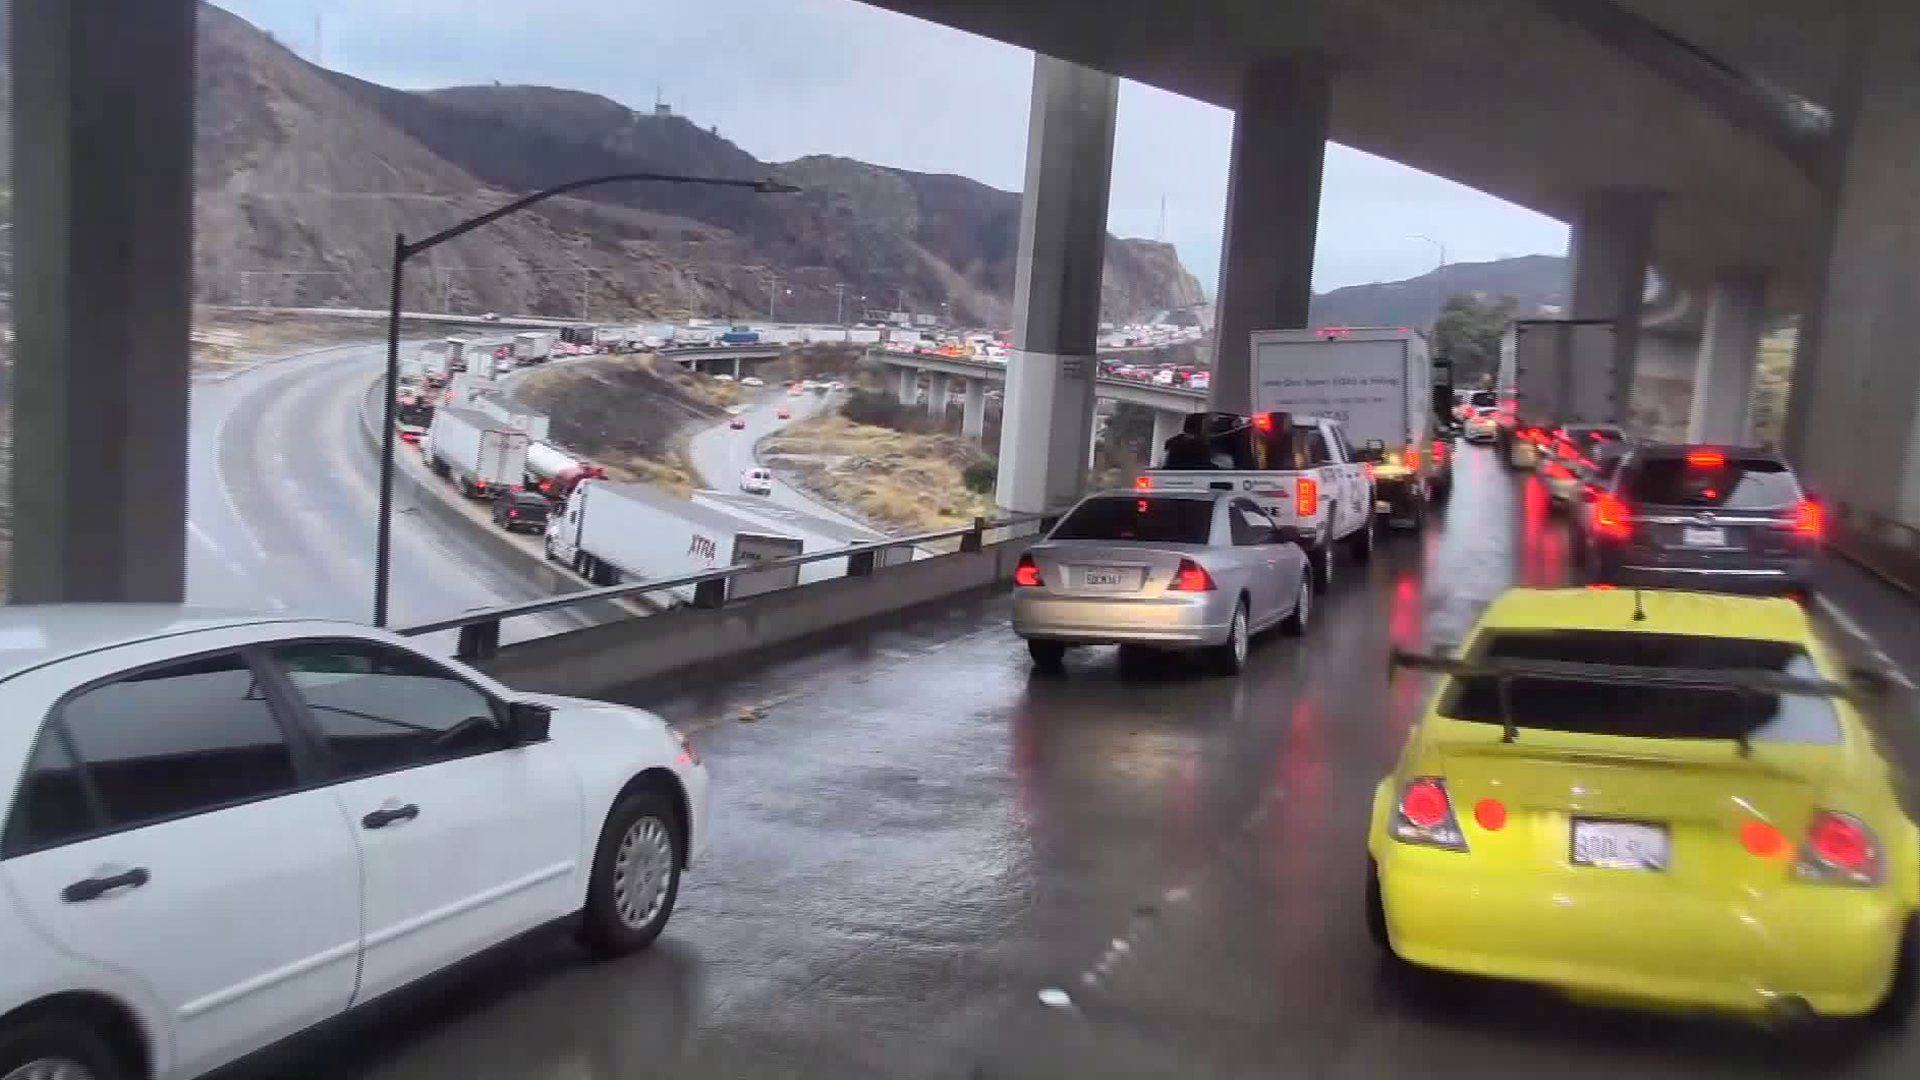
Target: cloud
(786,78)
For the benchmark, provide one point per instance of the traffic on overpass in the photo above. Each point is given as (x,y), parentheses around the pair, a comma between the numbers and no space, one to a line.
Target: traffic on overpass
(634,666)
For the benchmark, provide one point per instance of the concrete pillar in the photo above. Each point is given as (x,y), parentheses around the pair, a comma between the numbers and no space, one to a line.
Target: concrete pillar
(939,392)
(1047,418)
(102,247)
(909,385)
(1165,426)
(1273,214)
(973,419)
(737,370)
(1722,409)
(1610,244)
(1857,434)
(1093,438)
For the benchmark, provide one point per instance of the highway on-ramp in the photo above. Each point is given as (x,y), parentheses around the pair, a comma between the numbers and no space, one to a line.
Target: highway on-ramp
(720,454)
(283,489)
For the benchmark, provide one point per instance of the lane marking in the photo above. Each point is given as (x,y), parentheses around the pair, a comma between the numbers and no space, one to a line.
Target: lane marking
(1845,620)
(1851,626)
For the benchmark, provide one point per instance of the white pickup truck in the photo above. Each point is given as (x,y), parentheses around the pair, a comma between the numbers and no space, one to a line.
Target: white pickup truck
(1300,469)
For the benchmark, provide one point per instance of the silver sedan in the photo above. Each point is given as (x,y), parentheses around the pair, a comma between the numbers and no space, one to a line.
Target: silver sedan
(1165,569)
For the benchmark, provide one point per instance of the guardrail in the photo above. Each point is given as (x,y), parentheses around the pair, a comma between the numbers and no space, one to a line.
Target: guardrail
(1888,549)
(480,630)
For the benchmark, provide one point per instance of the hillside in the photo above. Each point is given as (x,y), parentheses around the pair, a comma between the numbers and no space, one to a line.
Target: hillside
(1534,280)
(304,175)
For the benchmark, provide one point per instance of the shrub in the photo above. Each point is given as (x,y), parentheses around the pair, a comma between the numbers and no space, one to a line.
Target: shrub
(980,476)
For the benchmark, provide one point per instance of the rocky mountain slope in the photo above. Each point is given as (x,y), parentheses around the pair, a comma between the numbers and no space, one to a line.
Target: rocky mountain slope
(1534,280)
(304,176)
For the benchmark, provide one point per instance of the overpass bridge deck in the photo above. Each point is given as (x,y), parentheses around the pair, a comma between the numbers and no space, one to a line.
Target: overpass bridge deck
(915,837)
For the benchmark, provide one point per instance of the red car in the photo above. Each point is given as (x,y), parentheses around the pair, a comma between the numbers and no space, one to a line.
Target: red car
(738,423)
(783,413)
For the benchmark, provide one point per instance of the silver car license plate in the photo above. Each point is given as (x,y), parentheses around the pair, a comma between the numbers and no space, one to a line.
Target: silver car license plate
(1108,577)
(1619,845)
(1695,537)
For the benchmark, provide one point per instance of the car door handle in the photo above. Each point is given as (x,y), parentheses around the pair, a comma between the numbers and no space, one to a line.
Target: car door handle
(387,815)
(95,887)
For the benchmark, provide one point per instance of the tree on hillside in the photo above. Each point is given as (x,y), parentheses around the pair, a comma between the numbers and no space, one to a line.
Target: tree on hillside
(1467,331)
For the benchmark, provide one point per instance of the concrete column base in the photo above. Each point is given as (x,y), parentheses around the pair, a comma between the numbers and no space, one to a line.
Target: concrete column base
(973,419)
(1046,421)
(1722,409)
(939,392)
(908,385)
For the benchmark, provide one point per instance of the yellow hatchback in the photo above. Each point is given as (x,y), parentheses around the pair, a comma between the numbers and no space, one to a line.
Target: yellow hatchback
(1651,796)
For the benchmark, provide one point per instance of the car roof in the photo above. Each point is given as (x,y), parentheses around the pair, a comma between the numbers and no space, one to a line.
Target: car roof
(32,635)
(1667,612)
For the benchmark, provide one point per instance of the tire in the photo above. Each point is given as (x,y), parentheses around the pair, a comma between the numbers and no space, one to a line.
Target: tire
(1048,656)
(1320,560)
(51,1038)
(1230,657)
(1896,1008)
(626,906)
(1301,617)
(1362,540)
(1377,912)
(1443,490)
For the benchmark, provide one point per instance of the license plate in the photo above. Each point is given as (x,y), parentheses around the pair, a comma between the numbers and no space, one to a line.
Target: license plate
(1693,537)
(1100,577)
(1619,845)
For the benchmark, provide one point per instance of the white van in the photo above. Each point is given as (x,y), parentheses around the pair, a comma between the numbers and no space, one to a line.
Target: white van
(756,481)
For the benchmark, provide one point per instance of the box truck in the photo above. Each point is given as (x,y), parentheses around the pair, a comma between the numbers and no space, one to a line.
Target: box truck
(612,534)
(532,347)
(478,453)
(1554,372)
(1377,383)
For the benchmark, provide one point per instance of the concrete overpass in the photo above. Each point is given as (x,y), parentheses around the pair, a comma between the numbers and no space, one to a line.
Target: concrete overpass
(722,359)
(1169,403)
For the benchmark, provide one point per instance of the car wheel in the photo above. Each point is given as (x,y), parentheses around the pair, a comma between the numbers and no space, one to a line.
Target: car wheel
(52,1047)
(1363,540)
(1321,560)
(1048,656)
(1377,911)
(1297,621)
(1896,1009)
(636,874)
(1231,655)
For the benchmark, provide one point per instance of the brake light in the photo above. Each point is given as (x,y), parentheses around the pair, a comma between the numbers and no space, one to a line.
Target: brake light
(1841,849)
(1142,482)
(1263,421)
(480,483)
(1191,577)
(1367,467)
(1027,573)
(1807,518)
(1610,516)
(513,513)
(1439,451)
(1706,459)
(1412,458)
(1306,496)
(1425,816)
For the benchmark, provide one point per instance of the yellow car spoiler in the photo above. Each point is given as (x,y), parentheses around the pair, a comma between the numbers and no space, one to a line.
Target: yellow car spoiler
(1504,671)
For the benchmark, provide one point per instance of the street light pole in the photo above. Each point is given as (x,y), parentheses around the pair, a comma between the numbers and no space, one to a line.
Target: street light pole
(1435,243)
(402,251)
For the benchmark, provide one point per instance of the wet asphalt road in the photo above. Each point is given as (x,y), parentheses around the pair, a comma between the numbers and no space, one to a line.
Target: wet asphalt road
(917,838)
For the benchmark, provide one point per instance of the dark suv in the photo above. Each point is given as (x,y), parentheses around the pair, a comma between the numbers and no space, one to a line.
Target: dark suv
(520,510)
(1716,519)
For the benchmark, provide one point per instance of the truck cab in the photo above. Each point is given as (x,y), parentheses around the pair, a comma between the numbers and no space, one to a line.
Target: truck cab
(1299,469)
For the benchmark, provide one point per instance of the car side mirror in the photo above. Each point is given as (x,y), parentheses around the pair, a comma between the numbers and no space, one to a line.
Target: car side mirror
(528,723)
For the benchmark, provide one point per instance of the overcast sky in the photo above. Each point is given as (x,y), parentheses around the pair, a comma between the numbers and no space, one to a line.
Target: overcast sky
(786,78)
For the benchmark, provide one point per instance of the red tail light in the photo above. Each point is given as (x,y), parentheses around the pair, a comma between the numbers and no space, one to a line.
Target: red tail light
(1367,467)
(1263,421)
(1144,483)
(513,513)
(1491,814)
(1424,803)
(1808,519)
(1439,451)
(1191,577)
(1610,516)
(1425,816)
(1840,848)
(1306,497)
(1762,839)
(1706,459)
(1027,573)
(1412,458)
(480,483)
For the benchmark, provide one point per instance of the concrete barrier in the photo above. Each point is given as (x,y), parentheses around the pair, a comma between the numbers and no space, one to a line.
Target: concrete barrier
(597,659)
(443,516)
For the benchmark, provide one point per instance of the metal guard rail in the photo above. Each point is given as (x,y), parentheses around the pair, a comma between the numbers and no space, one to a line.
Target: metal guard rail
(480,629)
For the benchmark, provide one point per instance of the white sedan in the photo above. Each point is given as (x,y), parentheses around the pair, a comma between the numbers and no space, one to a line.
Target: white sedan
(220,830)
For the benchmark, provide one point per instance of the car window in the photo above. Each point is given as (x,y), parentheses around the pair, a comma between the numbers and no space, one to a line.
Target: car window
(1340,442)
(1317,452)
(1732,484)
(1642,711)
(1250,526)
(51,806)
(179,739)
(381,708)
(1484,400)
(1163,521)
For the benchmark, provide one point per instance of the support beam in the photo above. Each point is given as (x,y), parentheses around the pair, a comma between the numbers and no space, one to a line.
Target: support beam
(737,369)
(1047,418)
(1722,409)
(1610,243)
(973,419)
(102,242)
(1855,421)
(1165,426)
(909,385)
(1273,215)
(939,392)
